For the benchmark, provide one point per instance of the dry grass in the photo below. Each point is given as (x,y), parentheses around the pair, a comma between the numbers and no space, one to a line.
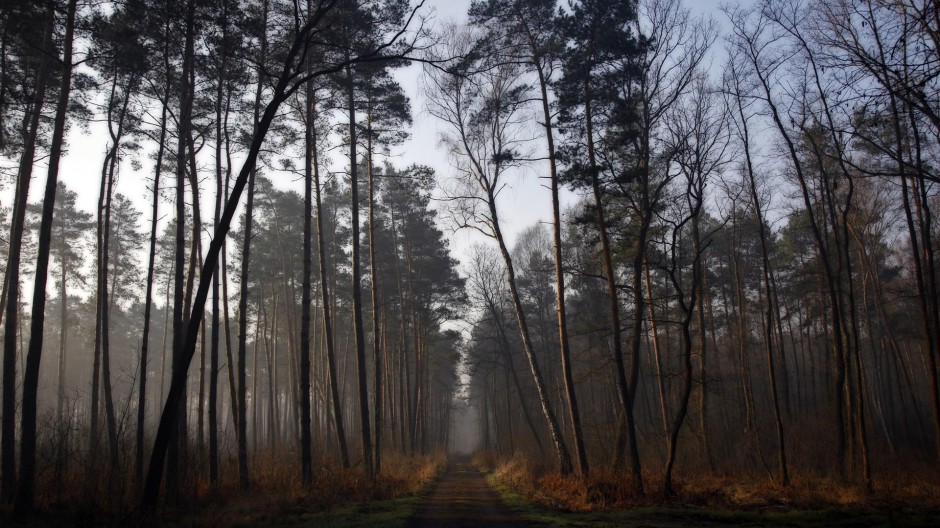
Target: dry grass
(276,495)
(277,492)
(605,490)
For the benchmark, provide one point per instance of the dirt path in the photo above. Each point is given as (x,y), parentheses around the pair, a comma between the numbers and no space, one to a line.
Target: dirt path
(463,499)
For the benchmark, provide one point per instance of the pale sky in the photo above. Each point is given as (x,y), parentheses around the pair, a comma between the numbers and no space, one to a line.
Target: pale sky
(526,203)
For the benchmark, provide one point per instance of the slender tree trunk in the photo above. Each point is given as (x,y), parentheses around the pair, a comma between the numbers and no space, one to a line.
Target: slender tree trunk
(27,481)
(771,312)
(281,90)
(362,382)
(325,294)
(178,432)
(507,352)
(561,450)
(695,194)
(838,341)
(306,463)
(31,121)
(377,350)
(63,343)
(560,311)
(673,439)
(623,388)
(243,339)
(660,375)
(221,120)
(223,266)
(108,175)
(148,297)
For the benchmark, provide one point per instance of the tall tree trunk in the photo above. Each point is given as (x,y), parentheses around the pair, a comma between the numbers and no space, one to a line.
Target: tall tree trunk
(623,388)
(63,343)
(561,312)
(108,174)
(325,294)
(27,481)
(695,192)
(561,450)
(538,60)
(223,267)
(771,312)
(838,336)
(148,296)
(362,382)
(221,122)
(243,340)
(31,131)
(377,350)
(178,432)
(282,89)
(306,464)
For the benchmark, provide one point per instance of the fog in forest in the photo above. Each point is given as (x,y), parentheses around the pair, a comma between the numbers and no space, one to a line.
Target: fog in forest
(650,253)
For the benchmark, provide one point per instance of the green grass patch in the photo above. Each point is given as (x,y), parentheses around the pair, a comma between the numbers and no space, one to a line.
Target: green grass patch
(390,513)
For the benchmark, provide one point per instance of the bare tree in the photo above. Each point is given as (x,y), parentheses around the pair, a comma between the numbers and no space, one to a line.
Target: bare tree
(482,103)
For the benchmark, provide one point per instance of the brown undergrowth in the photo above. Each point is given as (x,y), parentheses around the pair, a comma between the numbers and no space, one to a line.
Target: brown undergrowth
(606,490)
(276,495)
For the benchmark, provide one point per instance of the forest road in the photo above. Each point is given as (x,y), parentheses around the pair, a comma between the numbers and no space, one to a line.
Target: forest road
(463,499)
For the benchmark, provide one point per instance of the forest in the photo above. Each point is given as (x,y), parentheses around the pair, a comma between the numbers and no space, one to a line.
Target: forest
(731,290)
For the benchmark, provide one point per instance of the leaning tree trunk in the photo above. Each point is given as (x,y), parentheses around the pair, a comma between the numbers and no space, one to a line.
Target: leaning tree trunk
(281,90)
(561,450)
(561,314)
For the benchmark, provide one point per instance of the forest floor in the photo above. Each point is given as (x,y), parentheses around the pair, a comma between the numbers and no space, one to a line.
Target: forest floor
(464,499)
(534,513)
(464,496)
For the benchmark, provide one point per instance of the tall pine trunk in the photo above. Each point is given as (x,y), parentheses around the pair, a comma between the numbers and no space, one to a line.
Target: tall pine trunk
(31,131)
(377,350)
(27,481)
(362,382)
(306,468)
(148,296)
(623,388)
(325,294)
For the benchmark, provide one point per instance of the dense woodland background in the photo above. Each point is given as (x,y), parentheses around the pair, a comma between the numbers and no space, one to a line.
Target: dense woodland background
(744,285)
